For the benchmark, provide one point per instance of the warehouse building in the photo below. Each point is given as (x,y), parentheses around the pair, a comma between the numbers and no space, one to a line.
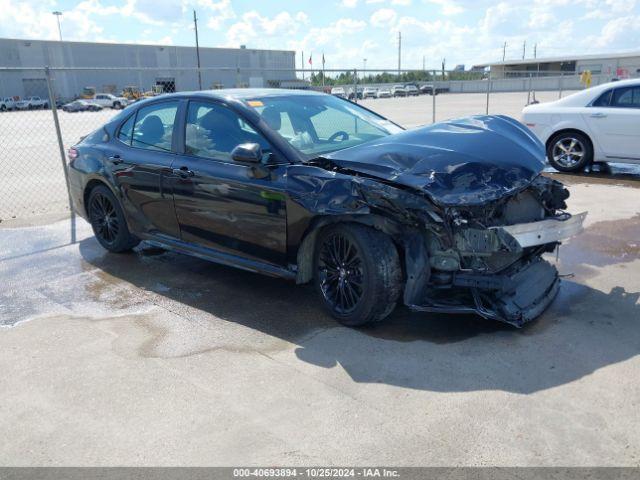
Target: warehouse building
(111,68)
(620,65)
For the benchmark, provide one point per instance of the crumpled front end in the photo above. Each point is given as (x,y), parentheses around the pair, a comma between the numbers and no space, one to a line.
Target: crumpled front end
(490,261)
(466,205)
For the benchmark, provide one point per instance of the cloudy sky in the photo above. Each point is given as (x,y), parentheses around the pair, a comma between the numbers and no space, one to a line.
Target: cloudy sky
(347,31)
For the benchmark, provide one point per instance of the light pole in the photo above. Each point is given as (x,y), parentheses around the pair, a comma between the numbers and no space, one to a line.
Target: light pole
(58,15)
(195,25)
(364,67)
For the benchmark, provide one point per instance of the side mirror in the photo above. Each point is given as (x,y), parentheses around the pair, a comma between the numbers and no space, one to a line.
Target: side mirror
(247,153)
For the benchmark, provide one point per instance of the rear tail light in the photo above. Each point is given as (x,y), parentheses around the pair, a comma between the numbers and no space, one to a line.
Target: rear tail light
(72,154)
(530,124)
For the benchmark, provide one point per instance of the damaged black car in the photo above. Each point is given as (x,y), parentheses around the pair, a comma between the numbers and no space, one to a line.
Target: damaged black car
(454,217)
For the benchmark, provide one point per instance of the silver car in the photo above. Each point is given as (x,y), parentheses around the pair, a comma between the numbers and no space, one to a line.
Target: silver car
(81,106)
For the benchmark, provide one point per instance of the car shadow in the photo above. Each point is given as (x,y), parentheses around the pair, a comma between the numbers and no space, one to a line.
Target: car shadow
(583,331)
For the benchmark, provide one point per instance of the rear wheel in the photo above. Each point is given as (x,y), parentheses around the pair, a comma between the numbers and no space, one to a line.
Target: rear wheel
(108,222)
(357,273)
(570,152)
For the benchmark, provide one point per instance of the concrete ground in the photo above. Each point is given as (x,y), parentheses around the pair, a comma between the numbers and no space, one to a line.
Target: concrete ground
(155,358)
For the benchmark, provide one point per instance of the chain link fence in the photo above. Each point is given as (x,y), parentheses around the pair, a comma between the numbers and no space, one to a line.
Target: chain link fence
(45,111)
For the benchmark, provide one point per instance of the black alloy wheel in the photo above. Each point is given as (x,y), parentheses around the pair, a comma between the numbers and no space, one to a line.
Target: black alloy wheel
(108,221)
(357,273)
(104,218)
(340,270)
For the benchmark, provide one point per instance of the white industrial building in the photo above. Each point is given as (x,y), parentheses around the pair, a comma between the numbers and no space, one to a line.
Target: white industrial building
(614,65)
(110,67)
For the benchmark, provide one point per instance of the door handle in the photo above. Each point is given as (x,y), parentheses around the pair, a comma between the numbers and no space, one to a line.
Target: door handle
(116,159)
(183,172)
(598,115)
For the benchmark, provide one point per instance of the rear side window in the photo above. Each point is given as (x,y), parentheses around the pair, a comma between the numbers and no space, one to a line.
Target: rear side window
(125,134)
(627,97)
(152,128)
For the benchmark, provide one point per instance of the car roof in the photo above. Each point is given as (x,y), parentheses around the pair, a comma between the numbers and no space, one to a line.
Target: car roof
(583,97)
(247,93)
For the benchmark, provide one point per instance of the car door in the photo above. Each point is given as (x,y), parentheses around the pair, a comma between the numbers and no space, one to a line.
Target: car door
(614,118)
(222,204)
(140,158)
(101,100)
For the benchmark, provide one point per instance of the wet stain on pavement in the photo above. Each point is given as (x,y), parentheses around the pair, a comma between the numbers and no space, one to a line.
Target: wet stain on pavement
(603,243)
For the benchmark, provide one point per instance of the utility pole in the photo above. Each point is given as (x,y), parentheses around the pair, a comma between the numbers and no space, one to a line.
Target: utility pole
(535,50)
(58,15)
(195,24)
(399,54)
(444,61)
(302,63)
(524,49)
(423,64)
(504,51)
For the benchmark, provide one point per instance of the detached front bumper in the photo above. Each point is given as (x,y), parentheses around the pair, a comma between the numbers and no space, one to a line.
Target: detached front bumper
(515,297)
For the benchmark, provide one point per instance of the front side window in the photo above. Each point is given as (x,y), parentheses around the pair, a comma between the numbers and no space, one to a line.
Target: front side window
(153,128)
(319,124)
(627,97)
(213,131)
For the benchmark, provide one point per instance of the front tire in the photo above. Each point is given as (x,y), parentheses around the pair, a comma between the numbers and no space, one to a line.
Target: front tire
(570,152)
(108,221)
(357,273)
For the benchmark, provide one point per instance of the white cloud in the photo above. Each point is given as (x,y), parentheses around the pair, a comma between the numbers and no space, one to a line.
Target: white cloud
(383,17)
(448,7)
(254,26)
(616,29)
(349,3)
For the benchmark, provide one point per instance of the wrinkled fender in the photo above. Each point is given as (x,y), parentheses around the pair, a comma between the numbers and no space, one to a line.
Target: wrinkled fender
(331,197)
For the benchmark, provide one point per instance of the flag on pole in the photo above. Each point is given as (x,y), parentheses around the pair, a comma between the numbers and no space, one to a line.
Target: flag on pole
(322,59)
(311,59)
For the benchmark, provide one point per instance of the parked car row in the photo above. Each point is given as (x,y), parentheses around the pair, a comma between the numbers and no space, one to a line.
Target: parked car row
(29,103)
(399,90)
(98,102)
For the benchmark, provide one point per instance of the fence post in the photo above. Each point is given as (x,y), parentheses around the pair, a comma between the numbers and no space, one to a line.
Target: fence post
(433,98)
(56,123)
(560,86)
(355,85)
(486,110)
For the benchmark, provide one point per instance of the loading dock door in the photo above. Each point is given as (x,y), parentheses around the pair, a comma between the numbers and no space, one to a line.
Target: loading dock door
(35,87)
(168,84)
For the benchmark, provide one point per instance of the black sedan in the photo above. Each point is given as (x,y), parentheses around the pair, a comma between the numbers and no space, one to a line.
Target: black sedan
(453,217)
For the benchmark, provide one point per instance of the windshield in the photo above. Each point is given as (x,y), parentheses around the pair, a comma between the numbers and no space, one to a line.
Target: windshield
(319,124)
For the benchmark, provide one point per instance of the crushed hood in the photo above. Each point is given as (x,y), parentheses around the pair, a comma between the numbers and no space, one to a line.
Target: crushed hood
(467,161)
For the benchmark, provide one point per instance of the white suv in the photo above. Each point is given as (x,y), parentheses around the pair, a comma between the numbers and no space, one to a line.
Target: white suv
(7,103)
(31,103)
(106,100)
